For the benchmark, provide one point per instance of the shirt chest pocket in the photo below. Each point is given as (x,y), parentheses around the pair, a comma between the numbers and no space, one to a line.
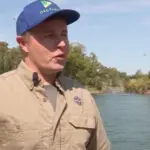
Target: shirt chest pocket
(87,122)
(82,127)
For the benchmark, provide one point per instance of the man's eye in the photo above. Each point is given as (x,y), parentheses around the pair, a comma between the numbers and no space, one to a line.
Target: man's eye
(49,35)
(65,35)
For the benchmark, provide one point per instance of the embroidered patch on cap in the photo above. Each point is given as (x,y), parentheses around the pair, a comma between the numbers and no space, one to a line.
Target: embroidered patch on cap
(45,3)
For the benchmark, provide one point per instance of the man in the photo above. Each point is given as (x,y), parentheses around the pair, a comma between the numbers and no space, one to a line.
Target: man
(39,108)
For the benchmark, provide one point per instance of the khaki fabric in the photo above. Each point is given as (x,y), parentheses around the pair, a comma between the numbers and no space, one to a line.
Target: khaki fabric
(28,121)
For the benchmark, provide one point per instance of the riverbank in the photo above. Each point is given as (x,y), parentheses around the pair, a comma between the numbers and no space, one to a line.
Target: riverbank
(147,92)
(114,90)
(94,91)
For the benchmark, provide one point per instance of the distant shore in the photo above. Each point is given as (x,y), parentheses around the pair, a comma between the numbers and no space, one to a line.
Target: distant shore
(95,92)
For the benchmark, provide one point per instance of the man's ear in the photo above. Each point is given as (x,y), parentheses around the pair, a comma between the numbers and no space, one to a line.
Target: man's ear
(22,41)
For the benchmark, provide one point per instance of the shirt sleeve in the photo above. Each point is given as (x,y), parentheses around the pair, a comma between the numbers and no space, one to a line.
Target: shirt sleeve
(99,139)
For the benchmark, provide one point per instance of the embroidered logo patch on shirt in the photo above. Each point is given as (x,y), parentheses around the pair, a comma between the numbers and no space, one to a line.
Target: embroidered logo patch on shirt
(77,100)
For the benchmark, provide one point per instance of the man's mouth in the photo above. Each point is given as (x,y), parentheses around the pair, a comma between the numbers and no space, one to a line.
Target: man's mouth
(60,57)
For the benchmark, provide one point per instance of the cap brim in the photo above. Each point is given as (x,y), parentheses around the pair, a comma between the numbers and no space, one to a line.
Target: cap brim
(68,15)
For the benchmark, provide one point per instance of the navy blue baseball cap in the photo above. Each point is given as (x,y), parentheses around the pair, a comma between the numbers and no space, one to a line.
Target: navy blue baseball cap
(40,10)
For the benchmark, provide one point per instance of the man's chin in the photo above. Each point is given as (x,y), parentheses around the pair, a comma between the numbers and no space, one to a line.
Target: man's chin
(58,69)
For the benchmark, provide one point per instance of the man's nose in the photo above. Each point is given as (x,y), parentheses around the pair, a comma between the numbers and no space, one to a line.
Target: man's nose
(61,44)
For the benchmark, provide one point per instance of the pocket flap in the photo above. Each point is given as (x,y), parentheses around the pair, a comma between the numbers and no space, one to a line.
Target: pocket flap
(82,121)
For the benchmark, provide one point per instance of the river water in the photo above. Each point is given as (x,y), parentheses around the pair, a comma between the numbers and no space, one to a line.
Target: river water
(127,120)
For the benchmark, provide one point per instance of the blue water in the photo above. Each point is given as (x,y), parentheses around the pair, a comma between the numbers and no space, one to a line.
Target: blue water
(127,120)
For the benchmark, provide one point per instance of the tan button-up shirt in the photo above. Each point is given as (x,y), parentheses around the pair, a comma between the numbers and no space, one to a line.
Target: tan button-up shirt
(28,120)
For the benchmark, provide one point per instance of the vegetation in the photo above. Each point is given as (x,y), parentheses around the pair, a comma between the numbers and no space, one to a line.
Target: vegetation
(86,69)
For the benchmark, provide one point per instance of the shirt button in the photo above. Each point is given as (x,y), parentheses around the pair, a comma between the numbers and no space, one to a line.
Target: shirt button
(44,100)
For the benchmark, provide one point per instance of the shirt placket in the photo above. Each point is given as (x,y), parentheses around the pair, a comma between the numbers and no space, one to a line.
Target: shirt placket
(46,111)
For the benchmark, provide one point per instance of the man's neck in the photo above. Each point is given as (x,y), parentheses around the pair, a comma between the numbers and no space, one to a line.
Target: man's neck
(45,78)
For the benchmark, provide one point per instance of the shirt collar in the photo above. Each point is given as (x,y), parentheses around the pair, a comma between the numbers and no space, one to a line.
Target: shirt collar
(26,75)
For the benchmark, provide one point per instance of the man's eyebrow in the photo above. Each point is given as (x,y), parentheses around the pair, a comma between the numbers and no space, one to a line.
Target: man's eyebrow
(65,30)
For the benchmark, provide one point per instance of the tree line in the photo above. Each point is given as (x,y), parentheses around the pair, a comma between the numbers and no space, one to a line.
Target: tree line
(87,69)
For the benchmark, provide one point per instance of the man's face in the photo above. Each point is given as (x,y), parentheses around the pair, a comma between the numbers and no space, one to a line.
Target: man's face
(48,46)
